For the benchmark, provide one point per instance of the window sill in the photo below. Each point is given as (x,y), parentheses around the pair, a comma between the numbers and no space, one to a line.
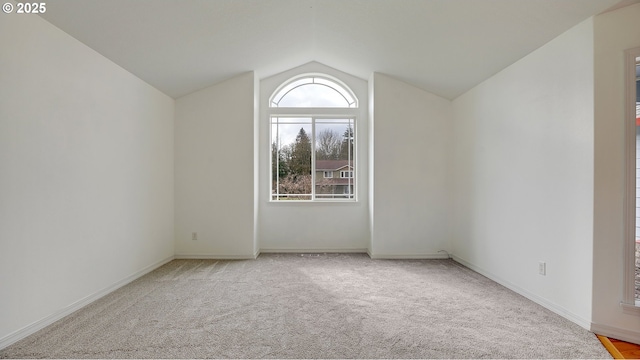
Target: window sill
(631,309)
(314,202)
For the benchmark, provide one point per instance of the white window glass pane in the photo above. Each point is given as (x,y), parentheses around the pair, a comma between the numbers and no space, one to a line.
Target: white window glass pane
(288,128)
(348,98)
(291,161)
(330,141)
(333,121)
(292,120)
(313,95)
(278,97)
(334,153)
(328,187)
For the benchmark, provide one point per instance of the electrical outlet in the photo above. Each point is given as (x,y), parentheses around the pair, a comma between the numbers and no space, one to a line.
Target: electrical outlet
(542,268)
(194,236)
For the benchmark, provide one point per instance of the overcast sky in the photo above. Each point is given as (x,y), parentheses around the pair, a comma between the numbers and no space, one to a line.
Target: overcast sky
(309,95)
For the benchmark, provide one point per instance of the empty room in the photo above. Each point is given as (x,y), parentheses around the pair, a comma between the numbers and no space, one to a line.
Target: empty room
(319,178)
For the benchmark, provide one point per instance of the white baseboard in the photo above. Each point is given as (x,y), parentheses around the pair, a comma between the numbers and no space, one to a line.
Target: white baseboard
(305,251)
(529,295)
(44,322)
(216,257)
(424,256)
(616,333)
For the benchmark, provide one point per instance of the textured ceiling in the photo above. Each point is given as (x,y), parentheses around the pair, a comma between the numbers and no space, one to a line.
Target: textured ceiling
(442,46)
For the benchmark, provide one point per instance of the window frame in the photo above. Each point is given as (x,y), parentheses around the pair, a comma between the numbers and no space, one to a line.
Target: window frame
(342,89)
(353,113)
(313,119)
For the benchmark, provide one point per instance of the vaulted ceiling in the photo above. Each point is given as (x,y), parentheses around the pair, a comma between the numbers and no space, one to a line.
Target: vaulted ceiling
(443,46)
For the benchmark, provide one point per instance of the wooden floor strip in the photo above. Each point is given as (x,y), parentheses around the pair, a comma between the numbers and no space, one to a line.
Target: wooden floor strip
(620,349)
(610,347)
(628,350)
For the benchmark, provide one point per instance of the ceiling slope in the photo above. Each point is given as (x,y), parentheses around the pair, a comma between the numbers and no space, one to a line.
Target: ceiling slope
(442,46)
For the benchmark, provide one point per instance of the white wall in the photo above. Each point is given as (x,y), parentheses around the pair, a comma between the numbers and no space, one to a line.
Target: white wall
(314,226)
(86,184)
(410,184)
(214,171)
(614,32)
(87,174)
(523,170)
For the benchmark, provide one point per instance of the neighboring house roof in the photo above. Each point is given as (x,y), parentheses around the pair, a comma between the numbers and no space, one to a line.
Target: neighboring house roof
(333,165)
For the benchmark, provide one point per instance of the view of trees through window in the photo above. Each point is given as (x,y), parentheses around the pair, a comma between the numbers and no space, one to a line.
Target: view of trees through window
(309,157)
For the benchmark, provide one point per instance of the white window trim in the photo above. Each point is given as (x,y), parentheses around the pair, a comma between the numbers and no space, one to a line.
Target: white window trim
(330,174)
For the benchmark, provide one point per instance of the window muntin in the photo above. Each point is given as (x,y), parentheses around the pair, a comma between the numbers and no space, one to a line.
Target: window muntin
(313,91)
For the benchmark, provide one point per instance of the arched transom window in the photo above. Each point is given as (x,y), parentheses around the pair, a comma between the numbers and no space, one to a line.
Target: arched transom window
(313,91)
(313,137)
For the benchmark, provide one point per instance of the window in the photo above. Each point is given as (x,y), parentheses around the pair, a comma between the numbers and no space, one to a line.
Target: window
(313,134)
(313,91)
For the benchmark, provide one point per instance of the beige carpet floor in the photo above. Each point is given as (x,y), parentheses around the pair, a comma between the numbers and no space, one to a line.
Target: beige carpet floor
(326,306)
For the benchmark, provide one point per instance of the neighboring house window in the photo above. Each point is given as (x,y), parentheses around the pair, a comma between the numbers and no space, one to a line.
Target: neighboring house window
(313,135)
(346,174)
